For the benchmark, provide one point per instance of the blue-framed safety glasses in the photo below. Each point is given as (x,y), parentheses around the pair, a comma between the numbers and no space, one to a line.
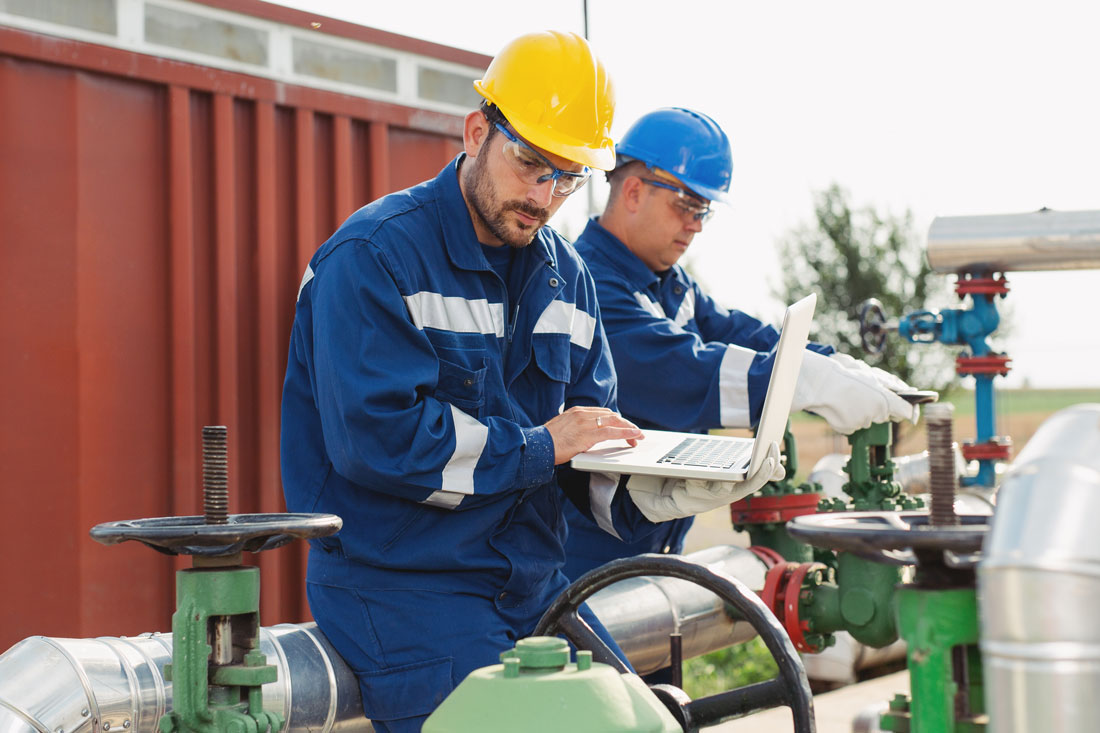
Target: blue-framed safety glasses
(532,167)
(687,203)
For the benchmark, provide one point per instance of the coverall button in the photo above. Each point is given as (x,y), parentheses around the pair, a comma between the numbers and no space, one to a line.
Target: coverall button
(468,382)
(667,549)
(677,290)
(553,282)
(502,596)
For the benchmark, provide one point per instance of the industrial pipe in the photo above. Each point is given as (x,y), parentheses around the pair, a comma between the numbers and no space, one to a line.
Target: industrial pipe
(642,613)
(50,685)
(1039,582)
(1040,240)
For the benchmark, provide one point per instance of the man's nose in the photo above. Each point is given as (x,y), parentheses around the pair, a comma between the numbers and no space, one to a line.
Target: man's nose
(541,194)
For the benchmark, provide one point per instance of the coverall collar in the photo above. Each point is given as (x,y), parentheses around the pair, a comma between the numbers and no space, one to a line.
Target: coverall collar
(459,237)
(626,262)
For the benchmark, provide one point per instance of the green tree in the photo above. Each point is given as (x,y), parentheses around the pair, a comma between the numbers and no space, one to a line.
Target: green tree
(847,256)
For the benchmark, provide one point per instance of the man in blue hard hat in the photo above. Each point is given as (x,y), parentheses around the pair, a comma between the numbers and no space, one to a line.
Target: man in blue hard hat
(683,361)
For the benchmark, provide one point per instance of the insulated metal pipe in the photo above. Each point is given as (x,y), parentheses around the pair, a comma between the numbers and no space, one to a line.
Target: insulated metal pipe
(1040,240)
(50,685)
(642,613)
(1039,582)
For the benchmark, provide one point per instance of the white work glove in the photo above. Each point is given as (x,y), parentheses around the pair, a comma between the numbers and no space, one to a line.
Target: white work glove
(886,379)
(661,499)
(849,398)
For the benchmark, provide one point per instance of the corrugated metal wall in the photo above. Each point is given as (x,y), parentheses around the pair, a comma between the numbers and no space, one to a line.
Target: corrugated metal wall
(155,220)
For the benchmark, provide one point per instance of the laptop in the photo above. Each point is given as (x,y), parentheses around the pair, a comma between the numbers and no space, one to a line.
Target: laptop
(716,457)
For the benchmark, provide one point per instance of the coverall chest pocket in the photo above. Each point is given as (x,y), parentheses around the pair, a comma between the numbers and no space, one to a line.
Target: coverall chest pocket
(462,386)
(551,374)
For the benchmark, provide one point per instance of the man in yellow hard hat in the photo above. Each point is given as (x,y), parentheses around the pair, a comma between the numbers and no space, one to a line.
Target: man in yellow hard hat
(446,362)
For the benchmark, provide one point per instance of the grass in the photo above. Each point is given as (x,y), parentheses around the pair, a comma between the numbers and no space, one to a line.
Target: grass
(1008,401)
(729,668)
(1020,401)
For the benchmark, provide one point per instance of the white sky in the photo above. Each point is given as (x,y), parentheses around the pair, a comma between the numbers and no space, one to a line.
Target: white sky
(943,108)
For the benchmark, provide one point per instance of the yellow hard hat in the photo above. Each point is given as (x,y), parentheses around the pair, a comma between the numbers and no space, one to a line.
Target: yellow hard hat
(556,94)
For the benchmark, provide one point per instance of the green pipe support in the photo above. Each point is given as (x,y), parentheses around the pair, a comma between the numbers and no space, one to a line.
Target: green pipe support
(224,698)
(941,630)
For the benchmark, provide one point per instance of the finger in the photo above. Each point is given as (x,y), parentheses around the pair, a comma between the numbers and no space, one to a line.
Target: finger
(889,380)
(628,434)
(589,409)
(614,420)
(899,408)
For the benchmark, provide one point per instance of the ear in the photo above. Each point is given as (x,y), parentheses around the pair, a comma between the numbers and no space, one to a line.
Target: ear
(632,193)
(475,129)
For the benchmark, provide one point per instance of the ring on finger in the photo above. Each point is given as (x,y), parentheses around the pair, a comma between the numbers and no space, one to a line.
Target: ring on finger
(599,422)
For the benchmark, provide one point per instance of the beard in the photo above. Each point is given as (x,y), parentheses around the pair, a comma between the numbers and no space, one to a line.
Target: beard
(493,213)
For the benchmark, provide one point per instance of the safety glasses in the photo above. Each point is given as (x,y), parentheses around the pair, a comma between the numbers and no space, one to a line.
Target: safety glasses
(532,167)
(686,203)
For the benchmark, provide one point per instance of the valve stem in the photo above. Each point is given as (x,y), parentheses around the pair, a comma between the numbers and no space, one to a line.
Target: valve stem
(215,475)
(941,463)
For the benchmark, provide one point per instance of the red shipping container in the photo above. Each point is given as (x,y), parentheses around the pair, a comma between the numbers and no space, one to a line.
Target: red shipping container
(156,215)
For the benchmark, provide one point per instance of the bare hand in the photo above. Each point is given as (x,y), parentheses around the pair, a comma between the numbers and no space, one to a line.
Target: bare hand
(579,428)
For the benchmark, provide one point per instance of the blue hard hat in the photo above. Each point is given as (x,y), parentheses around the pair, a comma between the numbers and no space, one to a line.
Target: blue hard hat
(685,143)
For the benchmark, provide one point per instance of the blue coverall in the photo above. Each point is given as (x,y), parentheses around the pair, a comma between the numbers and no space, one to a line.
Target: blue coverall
(413,407)
(684,363)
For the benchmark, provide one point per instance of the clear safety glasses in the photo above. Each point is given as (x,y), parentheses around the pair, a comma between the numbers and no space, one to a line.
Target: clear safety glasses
(532,167)
(687,203)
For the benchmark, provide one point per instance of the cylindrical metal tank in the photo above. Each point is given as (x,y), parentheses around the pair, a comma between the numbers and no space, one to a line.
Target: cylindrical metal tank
(1040,240)
(641,612)
(50,685)
(1039,582)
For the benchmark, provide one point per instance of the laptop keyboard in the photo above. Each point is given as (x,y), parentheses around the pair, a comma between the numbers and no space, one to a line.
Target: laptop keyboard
(708,453)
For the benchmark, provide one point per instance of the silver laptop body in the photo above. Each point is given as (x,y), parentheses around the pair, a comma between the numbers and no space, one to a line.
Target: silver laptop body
(716,457)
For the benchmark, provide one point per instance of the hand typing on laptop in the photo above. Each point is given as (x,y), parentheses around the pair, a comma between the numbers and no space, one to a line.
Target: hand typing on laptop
(579,428)
(661,499)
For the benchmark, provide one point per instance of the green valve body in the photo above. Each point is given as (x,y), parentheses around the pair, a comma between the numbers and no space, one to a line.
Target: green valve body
(940,627)
(536,689)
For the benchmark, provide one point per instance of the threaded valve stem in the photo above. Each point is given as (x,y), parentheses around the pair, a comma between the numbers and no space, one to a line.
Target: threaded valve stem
(942,478)
(215,475)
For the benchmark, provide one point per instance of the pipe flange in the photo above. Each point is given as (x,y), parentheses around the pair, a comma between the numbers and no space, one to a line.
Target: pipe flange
(795,625)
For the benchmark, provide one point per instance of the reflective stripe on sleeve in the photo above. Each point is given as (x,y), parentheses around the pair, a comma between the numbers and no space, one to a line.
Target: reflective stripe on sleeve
(646,302)
(562,317)
(470,437)
(458,315)
(444,500)
(601,490)
(686,311)
(306,277)
(458,474)
(733,387)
